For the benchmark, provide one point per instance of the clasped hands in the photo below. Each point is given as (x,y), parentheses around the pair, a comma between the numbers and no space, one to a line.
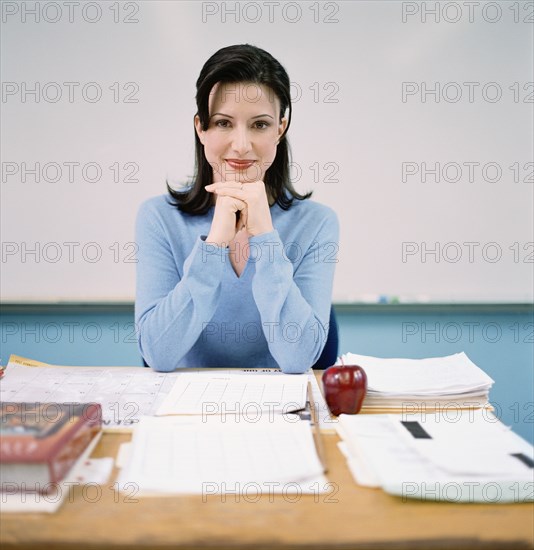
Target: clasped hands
(250,199)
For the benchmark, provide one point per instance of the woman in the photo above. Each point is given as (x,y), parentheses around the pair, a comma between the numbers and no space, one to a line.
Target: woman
(237,270)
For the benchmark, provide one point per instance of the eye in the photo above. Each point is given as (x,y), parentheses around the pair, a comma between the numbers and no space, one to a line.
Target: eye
(222,123)
(262,125)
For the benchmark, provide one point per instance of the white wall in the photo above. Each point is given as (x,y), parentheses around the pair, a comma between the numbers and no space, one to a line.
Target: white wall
(360,60)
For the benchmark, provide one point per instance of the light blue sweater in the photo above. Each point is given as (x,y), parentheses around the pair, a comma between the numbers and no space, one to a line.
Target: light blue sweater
(192,310)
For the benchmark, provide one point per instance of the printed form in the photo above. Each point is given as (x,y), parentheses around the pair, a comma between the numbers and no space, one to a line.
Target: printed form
(228,393)
(218,454)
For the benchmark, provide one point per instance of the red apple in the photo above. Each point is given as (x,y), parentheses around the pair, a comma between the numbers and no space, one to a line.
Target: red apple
(345,387)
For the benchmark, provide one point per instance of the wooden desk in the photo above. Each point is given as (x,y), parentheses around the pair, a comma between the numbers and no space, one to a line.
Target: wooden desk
(353,517)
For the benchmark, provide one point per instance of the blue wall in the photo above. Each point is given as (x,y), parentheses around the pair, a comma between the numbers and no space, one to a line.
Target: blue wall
(500,340)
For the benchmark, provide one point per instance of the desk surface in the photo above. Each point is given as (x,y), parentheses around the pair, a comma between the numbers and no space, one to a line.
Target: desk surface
(350,517)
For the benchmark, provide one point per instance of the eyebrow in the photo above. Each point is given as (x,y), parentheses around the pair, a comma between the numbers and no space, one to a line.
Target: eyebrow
(228,116)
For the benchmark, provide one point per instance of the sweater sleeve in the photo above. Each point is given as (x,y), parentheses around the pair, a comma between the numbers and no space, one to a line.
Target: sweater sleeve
(170,309)
(294,303)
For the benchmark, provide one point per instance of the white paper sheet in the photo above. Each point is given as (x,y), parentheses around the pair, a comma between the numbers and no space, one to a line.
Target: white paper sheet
(471,442)
(224,393)
(217,454)
(469,460)
(125,393)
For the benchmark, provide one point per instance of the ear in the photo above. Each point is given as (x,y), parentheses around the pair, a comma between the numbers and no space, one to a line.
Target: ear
(199,130)
(281,128)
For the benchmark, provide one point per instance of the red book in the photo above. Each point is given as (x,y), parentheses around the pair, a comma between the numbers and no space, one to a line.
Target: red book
(40,442)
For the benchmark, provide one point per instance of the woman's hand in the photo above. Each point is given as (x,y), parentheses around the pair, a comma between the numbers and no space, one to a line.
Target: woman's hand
(225,224)
(250,199)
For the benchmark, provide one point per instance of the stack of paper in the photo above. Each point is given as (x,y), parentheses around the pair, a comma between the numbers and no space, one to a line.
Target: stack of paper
(223,432)
(458,456)
(422,384)
(216,454)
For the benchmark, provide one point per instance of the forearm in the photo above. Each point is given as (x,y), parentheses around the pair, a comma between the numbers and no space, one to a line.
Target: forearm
(294,326)
(169,323)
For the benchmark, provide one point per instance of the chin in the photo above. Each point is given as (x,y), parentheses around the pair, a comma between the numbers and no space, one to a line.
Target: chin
(251,180)
(244,178)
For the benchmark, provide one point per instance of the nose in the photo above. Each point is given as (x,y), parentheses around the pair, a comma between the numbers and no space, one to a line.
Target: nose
(241,140)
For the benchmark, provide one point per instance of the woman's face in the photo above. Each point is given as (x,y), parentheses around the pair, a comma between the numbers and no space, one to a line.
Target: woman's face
(243,132)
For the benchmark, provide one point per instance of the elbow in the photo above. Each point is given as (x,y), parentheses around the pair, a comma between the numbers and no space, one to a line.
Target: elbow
(161,367)
(155,357)
(156,364)
(301,361)
(294,366)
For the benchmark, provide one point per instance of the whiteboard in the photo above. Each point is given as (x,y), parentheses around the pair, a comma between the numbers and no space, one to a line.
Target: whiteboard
(414,126)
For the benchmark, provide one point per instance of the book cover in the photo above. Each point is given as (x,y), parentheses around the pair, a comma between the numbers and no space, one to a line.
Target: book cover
(40,442)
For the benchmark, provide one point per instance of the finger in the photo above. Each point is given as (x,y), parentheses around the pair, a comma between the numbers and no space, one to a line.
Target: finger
(244,217)
(224,184)
(236,204)
(230,192)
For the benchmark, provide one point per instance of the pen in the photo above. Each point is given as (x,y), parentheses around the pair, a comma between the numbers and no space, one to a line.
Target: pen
(317,438)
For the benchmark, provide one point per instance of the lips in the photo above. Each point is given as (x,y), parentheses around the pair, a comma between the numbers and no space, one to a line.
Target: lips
(237,164)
